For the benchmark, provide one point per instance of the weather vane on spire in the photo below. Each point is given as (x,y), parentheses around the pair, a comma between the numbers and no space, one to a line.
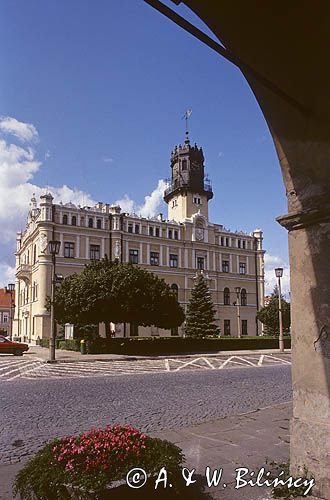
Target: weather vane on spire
(186,116)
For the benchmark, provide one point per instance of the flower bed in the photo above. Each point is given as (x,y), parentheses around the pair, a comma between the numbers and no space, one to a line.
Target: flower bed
(84,466)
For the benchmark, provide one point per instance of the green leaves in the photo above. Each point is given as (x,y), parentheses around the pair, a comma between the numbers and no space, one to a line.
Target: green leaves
(269,316)
(111,292)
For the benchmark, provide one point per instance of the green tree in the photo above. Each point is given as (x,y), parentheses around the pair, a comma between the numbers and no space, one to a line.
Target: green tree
(268,315)
(108,291)
(200,320)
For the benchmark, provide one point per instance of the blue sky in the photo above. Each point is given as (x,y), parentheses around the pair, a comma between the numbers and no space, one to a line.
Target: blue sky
(105,85)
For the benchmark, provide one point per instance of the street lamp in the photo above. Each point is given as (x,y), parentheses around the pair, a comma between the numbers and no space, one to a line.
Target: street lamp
(10,289)
(279,274)
(238,292)
(54,248)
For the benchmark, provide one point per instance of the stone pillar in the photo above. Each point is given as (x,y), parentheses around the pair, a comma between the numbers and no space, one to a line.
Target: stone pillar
(309,246)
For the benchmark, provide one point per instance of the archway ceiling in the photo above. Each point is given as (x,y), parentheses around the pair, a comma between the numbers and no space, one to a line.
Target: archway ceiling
(287,42)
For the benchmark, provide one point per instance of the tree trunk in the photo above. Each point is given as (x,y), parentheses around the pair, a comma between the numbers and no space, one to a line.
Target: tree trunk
(107,330)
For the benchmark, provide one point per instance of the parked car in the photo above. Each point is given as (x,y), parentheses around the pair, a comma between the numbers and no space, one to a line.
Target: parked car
(9,347)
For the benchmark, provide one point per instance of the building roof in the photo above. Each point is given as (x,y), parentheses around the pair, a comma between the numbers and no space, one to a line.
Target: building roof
(5,298)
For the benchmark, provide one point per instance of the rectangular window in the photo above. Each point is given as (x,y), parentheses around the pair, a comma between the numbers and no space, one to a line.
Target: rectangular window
(157,232)
(222,241)
(244,327)
(239,243)
(227,242)
(173,260)
(94,252)
(174,331)
(130,228)
(200,263)
(244,244)
(154,258)
(225,266)
(68,249)
(134,330)
(170,234)
(242,268)
(151,231)
(176,235)
(137,229)
(134,256)
(226,326)
(5,318)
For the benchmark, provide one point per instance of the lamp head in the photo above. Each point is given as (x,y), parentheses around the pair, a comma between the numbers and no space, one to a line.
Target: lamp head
(279,272)
(54,247)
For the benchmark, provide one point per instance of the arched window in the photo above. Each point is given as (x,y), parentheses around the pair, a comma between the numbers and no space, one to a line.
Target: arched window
(74,220)
(243,297)
(175,289)
(90,222)
(226,297)
(99,224)
(65,219)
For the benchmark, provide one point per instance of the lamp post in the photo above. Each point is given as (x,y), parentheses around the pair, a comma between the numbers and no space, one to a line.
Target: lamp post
(54,248)
(279,274)
(10,289)
(238,292)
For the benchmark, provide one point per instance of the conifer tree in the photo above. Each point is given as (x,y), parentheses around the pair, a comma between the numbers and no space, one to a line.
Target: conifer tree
(200,318)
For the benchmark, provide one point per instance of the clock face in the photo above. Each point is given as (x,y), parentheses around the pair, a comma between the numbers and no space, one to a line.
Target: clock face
(199,233)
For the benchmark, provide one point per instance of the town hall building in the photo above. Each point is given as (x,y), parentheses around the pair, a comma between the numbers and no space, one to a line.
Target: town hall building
(176,248)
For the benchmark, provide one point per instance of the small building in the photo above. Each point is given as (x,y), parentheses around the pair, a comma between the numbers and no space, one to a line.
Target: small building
(175,248)
(6,311)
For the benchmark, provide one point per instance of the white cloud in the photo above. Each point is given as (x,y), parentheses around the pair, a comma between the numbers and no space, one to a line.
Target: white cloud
(271,262)
(151,205)
(107,159)
(153,201)
(26,132)
(7,274)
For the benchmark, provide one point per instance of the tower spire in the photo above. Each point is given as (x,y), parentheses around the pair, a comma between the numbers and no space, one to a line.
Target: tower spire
(186,116)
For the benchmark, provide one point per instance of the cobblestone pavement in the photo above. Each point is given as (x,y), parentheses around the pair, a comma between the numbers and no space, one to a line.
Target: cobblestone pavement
(12,368)
(34,411)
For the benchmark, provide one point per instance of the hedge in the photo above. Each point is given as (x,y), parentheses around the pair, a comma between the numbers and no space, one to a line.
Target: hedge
(179,345)
(68,345)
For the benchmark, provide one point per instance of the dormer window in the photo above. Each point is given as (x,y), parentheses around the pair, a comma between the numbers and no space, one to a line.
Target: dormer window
(197,200)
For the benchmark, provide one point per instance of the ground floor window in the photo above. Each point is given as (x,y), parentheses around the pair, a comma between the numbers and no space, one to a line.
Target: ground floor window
(134,330)
(174,331)
(244,327)
(226,327)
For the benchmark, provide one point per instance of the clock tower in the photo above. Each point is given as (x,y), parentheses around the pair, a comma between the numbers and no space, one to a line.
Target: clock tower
(188,191)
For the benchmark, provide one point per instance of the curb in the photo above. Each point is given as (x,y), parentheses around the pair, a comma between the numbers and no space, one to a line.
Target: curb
(82,358)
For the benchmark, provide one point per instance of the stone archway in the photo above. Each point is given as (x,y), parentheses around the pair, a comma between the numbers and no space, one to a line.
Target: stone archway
(282,50)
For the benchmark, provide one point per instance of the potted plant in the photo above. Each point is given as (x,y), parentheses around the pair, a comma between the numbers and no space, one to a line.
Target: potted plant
(86,466)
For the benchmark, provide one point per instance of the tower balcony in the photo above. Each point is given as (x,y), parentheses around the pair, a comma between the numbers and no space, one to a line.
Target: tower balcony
(180,185)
